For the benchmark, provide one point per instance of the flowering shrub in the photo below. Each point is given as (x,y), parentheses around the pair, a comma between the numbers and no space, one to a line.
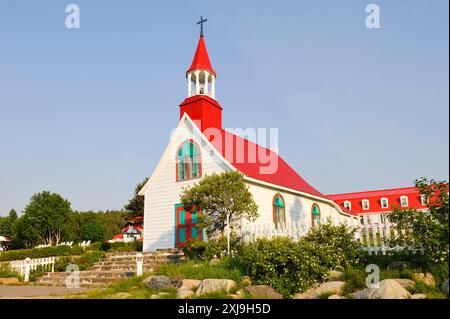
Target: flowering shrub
(205,250)
(290,266)
(426,236)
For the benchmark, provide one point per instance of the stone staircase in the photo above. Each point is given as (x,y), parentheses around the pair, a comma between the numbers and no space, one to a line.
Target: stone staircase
(113,267)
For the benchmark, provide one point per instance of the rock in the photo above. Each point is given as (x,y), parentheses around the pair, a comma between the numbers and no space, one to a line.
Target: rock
(334,275)
(333,287)
(240,292)
(183,293)
(427,278)
(444,287)
(406,283)
(336,297)
(159,282)
(9,281)
(235,296)
(246,280)
(419,296)
(190,283)
(215,285)
(178,281)
(389,289)
(398,265)
(263,291)
(213,261)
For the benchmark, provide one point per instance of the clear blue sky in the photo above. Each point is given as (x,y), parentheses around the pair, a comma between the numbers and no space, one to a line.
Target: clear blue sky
(87,113)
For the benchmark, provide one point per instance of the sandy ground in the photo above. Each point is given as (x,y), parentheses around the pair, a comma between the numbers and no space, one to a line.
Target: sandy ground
(39,292)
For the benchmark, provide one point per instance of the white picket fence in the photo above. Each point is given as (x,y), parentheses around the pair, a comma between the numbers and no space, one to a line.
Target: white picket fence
(25,267)
(373,236)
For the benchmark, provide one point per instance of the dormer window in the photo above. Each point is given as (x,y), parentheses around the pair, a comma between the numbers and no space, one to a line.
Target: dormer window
(404,201)
(348,204)
(365,204)
(384,203)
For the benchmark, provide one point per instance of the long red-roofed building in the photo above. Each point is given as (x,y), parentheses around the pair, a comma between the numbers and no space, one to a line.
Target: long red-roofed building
(375,205)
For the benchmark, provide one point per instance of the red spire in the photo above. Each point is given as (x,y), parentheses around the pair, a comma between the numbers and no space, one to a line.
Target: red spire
(201,59)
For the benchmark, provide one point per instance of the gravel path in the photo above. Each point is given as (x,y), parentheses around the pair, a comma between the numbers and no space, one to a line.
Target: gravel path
(13,292)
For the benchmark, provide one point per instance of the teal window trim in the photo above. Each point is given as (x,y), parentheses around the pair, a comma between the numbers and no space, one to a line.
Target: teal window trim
(188,161)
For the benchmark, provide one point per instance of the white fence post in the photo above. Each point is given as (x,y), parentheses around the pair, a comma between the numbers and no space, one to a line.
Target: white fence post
(27,269)
(139,264)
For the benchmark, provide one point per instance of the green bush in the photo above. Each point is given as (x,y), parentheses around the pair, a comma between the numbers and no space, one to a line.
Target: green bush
(205,250)
(21,254)
(85,261)
(122,247)
(8,272)
(292,267)
(355,279)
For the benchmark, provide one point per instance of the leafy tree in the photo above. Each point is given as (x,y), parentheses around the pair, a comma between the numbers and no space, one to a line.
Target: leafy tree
(217,196)
(113,221)
(47,219)
(136,205)
(426,233)
(90,226)
(6,223)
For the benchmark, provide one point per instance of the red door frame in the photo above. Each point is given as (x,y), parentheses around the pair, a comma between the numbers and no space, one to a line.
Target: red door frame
(187,226)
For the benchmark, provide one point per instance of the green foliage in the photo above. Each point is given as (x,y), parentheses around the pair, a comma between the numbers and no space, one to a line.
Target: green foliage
(205,250)
(136,204)
(85,261)
(48,218)
(291,266)
(355,279)
(199,270)
(90,226)
(335,245)
(427,233)
(217,196)
(21,254)
(121,246)
(8,272)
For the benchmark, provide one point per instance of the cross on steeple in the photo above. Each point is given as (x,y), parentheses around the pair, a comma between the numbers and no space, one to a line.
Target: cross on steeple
(201,25)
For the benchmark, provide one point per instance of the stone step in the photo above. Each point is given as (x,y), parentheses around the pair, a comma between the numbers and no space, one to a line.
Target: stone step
(121,268)
(89,273)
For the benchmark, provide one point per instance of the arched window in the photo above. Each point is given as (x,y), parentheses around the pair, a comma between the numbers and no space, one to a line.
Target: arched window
(189,163)
(279,215)
(315,215)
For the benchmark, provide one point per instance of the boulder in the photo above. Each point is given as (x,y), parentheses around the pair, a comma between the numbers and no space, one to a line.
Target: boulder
(388,289)
(159,282)
(246,280)
(177,282)
(183,293)
(406,283)
(9,281)
(263,291)
(444,287)
(189,283)
(334,275)
(331,287)
(427,278)
(419,296)
(215,285)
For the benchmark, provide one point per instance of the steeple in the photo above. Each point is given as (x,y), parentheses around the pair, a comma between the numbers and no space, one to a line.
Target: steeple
(201,75)
(200,103)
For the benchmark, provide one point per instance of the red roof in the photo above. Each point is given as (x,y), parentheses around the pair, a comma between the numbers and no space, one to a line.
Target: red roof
(374,197)
(201,59)
(120,236)
(255,161)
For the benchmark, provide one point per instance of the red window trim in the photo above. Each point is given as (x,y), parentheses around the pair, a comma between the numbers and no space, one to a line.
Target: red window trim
(312,213)
(274,215)
(189,166)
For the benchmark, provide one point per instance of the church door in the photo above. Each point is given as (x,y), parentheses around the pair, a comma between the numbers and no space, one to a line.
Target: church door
(186,225)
